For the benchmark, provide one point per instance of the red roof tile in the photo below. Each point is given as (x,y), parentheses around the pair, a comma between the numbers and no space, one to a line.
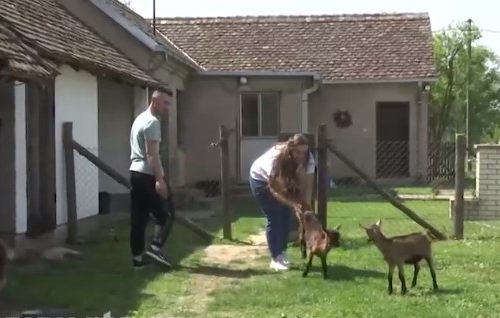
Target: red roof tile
(338,47)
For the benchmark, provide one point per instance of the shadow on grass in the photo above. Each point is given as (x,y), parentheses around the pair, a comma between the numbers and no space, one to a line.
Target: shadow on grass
(338,272)
(351,244)
(103,279)
(224,272)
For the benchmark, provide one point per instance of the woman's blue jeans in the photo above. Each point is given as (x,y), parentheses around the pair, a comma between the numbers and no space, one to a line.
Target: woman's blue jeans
(278,217)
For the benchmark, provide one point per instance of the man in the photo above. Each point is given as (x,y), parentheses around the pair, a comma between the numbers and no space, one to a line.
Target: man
(149,191)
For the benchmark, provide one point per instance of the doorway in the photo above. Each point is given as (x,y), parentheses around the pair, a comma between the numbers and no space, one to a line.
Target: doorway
(392,148)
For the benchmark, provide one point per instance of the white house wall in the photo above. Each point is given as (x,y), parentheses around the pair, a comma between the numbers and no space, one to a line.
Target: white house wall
(76,101)
(20,155)
(116,109)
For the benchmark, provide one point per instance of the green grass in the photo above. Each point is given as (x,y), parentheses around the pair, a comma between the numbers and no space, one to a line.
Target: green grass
(467,272)
(247,220)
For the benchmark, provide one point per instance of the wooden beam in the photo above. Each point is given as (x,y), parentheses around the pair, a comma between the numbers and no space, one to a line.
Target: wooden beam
(458,215)
(224,167)
(70,182)
(322,174)
(412,215)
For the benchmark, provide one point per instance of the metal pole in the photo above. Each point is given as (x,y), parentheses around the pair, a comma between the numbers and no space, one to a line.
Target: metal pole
(467,102)
(458,215)
(154,16)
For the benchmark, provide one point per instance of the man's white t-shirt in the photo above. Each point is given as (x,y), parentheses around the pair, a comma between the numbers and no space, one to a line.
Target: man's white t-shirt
(262,166)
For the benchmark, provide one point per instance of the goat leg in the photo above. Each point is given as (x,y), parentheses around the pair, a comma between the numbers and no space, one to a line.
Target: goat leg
(401,275)
(415,274)
(323,265)
(308,265)
(303,248)
(433,273)
(389,279)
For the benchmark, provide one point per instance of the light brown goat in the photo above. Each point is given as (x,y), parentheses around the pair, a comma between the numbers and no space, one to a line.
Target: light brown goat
(401,250)
(316,240)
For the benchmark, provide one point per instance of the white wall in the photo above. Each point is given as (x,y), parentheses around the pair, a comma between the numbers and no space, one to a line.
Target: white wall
(20,155)
(140,100)
(76,101)
(116,103)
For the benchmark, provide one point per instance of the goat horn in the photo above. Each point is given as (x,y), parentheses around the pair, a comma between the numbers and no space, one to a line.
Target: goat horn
(338,227)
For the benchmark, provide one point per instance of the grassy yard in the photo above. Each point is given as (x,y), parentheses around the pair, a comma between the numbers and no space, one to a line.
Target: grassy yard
(467,273)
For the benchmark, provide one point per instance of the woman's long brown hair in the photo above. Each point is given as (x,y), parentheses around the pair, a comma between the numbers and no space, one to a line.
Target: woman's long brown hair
(284,181)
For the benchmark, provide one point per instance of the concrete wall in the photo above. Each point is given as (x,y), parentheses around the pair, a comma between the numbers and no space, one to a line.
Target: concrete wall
(487,204)
(76,100)
(7,158)
(359,140)
(116,109)
(20,157)
(208,102)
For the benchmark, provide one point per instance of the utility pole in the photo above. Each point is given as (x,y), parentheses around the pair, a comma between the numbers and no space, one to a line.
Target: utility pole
(467,101)
(154,16)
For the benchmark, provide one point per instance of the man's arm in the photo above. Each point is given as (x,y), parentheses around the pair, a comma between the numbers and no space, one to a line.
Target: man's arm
(153,157)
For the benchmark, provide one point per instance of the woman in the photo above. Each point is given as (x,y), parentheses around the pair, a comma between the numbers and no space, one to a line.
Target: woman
(278,184)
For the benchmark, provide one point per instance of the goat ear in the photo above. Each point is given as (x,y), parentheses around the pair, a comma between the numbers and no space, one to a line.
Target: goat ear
(379,223)
(338,227)
(361,226)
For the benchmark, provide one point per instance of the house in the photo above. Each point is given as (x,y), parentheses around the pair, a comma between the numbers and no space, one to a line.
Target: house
(259,75)
(269,74)
(56,69)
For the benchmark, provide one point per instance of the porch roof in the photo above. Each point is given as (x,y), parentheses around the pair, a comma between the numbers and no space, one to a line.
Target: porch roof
(59,36)
(338,47)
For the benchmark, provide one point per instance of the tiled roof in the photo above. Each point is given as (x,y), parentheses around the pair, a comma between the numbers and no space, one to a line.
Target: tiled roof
(18,59)
(338,47)
(64,38)
(147,28)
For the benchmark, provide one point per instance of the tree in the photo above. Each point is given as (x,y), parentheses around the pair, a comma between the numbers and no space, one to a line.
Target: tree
(448,95)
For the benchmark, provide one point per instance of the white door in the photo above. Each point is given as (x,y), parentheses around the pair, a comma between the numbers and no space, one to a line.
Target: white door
(259,126)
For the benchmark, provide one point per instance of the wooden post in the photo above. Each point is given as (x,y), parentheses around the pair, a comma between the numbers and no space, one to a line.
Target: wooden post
(412,215)
(322,174)
(458,215)
(224,168)
(69,160)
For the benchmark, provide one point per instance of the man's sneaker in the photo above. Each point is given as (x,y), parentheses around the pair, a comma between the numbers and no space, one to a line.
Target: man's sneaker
(158,256)
(139,264)
(278,265)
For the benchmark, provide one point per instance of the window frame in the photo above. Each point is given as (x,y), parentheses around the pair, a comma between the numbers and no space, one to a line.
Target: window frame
(259,112)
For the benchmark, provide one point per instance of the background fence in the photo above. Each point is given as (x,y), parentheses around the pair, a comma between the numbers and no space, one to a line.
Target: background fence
(392,185)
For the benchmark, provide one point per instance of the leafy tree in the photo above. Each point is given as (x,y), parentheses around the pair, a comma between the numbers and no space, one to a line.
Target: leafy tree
(447,111)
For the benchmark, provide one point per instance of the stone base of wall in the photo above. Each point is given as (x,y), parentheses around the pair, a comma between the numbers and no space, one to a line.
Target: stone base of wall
(476,210)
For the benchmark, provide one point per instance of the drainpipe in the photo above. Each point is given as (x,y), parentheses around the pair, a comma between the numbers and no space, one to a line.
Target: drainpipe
(305,105)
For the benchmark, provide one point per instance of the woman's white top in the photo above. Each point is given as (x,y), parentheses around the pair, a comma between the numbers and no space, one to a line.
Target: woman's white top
(262,166)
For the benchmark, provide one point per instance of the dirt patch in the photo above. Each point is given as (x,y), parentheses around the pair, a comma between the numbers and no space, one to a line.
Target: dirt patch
(222,265)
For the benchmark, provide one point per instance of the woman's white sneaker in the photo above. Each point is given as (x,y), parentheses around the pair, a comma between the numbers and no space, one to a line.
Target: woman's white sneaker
(278,266)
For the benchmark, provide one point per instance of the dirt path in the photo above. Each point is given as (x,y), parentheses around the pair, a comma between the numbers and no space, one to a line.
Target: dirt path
(222,265)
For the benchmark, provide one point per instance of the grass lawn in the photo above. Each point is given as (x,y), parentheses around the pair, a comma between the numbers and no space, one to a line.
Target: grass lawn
(467,273)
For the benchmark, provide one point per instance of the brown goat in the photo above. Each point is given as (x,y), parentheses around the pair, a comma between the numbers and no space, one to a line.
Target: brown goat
(315,240)
(6,254)
(403,249)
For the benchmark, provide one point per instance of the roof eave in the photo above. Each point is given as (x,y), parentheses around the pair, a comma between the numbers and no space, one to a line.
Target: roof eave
(315,75)
(381,80)
(125,23)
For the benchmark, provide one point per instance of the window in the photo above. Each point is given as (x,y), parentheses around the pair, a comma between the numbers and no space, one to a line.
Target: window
(259,114)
